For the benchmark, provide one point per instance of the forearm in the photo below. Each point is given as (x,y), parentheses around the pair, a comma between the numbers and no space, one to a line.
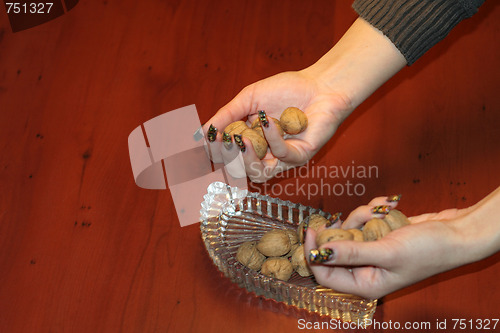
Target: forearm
(415,26)
(361,61)
(478,231)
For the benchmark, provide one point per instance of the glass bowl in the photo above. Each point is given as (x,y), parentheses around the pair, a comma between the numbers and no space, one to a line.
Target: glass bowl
(230,216)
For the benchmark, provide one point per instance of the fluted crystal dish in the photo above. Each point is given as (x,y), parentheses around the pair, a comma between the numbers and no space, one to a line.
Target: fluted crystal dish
(230,216)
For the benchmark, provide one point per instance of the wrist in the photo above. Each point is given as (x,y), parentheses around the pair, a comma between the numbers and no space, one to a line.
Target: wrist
(359,63)
(478,229)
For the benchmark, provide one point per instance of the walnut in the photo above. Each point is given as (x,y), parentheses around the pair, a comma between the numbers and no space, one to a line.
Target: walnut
(314,221)
(299,262)
(279,268)
(358,235)
(249,256)
(330,235)
(375,229)
(292,235)
(256,126)
(395,219)
(236,127)
(258,142)
(294,241)
(274,243)
(292,250)
(293,120)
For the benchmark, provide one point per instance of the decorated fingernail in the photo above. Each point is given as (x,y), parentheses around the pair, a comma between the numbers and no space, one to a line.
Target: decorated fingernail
(263,118)
(334,219)
(381,210)
(318,256)
(239,141)
(394,198)
(212,133)
(227,140)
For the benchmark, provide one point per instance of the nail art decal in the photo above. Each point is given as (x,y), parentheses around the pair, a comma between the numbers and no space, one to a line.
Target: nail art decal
(227,140)
(334,219)
(212,133)
(381,209)
(394,198)
(263,118)
(319,256)
(239,142)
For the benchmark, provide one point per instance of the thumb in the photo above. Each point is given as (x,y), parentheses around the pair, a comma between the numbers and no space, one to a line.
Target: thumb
(237,109)
(352,253)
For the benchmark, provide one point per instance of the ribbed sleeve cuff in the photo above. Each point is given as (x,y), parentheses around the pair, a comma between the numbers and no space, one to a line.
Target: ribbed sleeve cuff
(414,26)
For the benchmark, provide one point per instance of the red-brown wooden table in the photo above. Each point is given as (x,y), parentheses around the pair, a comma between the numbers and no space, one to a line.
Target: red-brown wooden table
(83,249)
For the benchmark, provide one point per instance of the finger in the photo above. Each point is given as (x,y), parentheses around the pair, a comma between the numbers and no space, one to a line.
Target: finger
(359,216)
(214,142)
(254,167)
(377,208)
(324,275)
(309,243)
(233,159)
(351,253)
(281,149)
(346,272)
(365,281)
(390,200)
(237,109)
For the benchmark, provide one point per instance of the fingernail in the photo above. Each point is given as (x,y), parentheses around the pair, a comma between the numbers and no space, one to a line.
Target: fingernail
(239,142)
(381,209)
(212,133)
(394,198)
(318,256)
(334,219)
(227,140)
(263,118)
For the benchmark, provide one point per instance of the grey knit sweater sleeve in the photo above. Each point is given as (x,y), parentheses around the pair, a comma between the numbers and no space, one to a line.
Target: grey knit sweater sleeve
(414,26)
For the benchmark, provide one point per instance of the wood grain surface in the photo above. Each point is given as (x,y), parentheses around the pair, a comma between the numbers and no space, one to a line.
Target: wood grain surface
(83,249)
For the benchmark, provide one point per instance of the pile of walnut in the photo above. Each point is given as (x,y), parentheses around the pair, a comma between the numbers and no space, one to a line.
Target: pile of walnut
(292,121)
(281,252)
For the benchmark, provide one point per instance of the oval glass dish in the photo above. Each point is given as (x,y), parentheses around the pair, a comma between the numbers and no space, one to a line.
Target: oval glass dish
(230,216)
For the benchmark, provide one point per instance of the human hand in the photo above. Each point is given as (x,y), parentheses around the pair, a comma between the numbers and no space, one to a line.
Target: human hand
(327,91)
(431,244)
(324,108)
